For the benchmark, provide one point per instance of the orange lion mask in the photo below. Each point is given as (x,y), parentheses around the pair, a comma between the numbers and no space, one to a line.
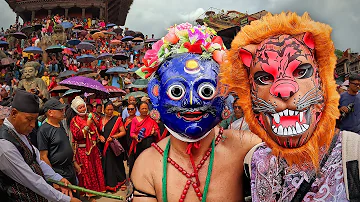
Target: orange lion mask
(282,68)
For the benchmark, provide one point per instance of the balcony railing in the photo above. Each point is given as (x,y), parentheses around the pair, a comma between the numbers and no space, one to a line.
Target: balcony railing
(41,1)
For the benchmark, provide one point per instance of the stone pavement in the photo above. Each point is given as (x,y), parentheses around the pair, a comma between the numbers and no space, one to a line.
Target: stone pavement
(118,193)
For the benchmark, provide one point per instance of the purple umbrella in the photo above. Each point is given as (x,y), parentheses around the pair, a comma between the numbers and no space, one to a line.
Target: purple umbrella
(20,35)
(104,56)
(85,46)
(86,85)
(127,38)
(151,40)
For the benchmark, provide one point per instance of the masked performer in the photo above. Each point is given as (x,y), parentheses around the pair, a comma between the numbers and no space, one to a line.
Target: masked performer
(282,67)
(189,165)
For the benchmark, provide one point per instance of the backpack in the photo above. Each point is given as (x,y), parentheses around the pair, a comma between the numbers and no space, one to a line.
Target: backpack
(351,163)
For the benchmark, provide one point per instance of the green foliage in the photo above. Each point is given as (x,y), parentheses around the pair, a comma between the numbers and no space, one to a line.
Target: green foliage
(338,53)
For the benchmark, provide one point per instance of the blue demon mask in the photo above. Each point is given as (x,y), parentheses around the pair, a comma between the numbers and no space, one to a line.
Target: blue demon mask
(184,90)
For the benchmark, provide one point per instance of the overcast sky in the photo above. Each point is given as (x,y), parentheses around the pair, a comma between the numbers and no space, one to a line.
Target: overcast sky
(154,16)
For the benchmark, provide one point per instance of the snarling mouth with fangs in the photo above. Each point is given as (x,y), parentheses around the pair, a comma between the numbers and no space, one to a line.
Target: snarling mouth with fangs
(290,123)
(192,116)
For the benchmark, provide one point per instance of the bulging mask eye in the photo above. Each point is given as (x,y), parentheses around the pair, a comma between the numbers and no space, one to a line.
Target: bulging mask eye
(176,92)
(206,91)
(263,78)
(303,71)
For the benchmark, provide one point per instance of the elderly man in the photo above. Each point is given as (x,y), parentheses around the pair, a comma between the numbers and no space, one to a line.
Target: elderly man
(22,173)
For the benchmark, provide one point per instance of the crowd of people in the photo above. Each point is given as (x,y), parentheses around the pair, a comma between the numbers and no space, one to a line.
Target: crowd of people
(87,141)
(75,146)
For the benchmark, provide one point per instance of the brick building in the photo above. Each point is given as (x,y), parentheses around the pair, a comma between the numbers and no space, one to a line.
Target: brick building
(114,11)
(348,63)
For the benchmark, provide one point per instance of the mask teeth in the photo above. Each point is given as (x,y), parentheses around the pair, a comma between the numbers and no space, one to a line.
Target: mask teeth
(290,130)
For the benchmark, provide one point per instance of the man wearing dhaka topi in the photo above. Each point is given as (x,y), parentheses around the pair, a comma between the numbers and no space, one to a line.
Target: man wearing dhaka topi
(198,161)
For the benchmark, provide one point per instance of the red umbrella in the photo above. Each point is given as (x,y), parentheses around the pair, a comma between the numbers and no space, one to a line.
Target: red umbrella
(115,42)
(114,91)
(59,89)
(67,51)
(78,27)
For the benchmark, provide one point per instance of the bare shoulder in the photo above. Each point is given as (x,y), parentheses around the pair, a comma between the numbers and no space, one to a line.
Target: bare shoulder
(145,166)
(243,139)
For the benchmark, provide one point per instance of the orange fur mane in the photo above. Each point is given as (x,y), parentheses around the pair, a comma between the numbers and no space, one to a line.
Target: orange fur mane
(234,74)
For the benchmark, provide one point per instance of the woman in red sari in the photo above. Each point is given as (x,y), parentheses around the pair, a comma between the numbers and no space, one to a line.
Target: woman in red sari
(144,131)
(86,153)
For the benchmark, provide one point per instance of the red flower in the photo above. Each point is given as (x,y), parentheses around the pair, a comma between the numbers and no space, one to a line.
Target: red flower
(195,48)
(218,40)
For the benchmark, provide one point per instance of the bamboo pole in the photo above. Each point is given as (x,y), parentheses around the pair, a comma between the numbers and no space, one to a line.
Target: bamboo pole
(82,189)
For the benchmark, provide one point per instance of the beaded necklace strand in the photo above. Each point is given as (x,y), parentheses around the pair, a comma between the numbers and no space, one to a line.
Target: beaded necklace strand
(166,159)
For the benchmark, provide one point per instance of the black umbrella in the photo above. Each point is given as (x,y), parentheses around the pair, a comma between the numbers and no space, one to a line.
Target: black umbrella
(20,35)
(120,56)
(66,73)
(118,30)
(37,27)
(139,34)
(54,49)
(103,73)
(27,29)
(94,31)
(84,71)
(129,33)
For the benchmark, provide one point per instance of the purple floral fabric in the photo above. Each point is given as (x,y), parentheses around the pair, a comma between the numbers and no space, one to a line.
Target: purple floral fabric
(273,180)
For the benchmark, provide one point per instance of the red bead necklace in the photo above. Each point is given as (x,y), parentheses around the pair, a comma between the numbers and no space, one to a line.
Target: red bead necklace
(195,185)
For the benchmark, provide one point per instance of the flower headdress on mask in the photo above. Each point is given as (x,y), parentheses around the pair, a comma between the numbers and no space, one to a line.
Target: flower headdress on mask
(282,67)
(183,70)
(183,38)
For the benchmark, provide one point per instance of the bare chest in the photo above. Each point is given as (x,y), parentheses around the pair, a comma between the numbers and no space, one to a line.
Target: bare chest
(224,184)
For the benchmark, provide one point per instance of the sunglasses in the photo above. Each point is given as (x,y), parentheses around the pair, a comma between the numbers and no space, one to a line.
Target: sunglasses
(130,109)
(355,84)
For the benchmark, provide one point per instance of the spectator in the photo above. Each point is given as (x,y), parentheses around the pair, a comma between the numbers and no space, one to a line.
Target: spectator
(53,142)
(144,131)
(46,78)
(111,127)
(236,118)
(125,113)
(350,106)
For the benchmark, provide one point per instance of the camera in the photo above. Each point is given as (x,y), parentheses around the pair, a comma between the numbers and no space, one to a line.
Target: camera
(350,108)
